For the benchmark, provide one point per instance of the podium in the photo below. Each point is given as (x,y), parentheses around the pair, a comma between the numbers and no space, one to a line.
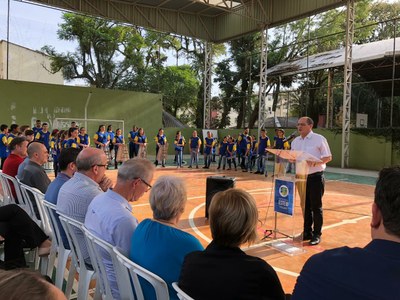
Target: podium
(289,194)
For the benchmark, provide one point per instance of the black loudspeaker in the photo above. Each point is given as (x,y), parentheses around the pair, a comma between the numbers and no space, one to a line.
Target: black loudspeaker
(216,184)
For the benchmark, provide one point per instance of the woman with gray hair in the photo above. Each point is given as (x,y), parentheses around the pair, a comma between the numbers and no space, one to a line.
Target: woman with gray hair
(223,271)
(157,244)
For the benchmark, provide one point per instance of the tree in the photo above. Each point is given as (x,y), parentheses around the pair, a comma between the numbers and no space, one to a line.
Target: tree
(180,87)
(107,52)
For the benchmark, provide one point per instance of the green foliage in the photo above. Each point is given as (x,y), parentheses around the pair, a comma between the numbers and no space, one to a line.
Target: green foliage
(179,85)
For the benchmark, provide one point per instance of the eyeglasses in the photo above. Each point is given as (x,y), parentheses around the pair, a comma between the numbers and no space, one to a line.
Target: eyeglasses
(99,165)
(146,183)
(302,124)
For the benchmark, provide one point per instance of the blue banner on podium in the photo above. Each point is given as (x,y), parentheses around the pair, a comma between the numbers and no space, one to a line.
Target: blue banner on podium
(284,197)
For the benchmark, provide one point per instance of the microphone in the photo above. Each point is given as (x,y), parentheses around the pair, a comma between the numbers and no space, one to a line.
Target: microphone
(290,137)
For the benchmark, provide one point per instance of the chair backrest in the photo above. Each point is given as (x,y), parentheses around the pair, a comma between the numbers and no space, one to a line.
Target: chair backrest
(181,294)
(71,226)
(7,181)
(38,197)
(5,199)
(134,271)
(51,211)
(98,248)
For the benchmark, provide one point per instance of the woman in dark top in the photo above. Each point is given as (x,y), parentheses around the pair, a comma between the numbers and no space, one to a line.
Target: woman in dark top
(223,270)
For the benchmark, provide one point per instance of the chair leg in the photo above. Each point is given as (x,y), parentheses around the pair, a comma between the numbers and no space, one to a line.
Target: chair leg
(52,260)
(83,285)
(44,263)
(61,264)
(70,280)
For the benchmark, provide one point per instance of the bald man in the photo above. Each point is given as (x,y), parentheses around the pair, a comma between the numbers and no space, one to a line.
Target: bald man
(33,173)
(78,192)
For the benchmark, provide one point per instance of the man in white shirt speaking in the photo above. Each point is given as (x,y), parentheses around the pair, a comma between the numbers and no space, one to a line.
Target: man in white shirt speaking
(316,145)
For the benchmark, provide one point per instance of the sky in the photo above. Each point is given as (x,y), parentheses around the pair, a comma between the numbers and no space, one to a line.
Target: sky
(31,26)
(34,26)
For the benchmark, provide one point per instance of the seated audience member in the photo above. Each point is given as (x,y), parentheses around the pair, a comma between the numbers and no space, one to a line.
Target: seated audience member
(18,151)
(34,174)
(24,284)
(76,194)
(372,272)
(157,244)
(67,163)
(109,215)
(19,231)
(222,270)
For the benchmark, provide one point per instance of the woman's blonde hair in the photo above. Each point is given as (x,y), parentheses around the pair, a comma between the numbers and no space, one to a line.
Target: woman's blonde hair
(233,218)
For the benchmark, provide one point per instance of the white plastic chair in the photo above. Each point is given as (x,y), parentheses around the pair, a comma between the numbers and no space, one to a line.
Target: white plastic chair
(57,242)
(98,248)
(85,275)
(46,263)
(130,271)
(7,181)
(5,199)
(181,294)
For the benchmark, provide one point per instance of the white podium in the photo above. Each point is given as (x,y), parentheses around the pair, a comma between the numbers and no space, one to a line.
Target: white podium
(288,188)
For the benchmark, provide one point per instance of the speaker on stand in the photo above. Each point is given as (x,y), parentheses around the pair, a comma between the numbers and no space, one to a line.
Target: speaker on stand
(217,184)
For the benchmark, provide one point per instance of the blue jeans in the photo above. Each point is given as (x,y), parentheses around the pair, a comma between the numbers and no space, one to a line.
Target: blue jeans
(261,163)
(194,157)
(179,158)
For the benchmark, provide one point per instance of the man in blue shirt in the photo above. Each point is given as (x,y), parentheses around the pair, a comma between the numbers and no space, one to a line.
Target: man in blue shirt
(372,272)
(67,164)
(109,215)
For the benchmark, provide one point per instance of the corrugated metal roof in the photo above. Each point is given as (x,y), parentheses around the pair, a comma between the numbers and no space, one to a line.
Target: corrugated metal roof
(211,20)
(335,58)
(373,61)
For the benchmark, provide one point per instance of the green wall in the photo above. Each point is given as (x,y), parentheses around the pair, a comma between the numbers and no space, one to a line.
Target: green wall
(366,152)
(24,102)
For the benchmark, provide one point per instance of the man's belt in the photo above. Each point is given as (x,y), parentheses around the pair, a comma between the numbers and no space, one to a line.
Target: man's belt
(315,174)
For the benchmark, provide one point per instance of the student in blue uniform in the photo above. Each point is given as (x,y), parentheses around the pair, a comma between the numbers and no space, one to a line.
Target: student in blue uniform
(195,143)
(111,135)
(253,152)
(242,147)
(43,136)
(280,143)
(214,148)
(160,140)
(72,142)
(132,147)
(101,138)
(55,149)
(231,153)
(247,155)
(37,127)
(3,144)
(262,145)
(222,153)
(208,145)
(118,141)
(140,143)
(179,144)
(12,132)
(83,138)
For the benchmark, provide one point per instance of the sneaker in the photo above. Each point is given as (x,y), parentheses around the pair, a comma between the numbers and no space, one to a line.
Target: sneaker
(197,167)
(229,169)
(218,168)
(189,167)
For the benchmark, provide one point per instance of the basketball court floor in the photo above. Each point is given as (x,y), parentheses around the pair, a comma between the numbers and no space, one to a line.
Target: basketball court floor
(347,212)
